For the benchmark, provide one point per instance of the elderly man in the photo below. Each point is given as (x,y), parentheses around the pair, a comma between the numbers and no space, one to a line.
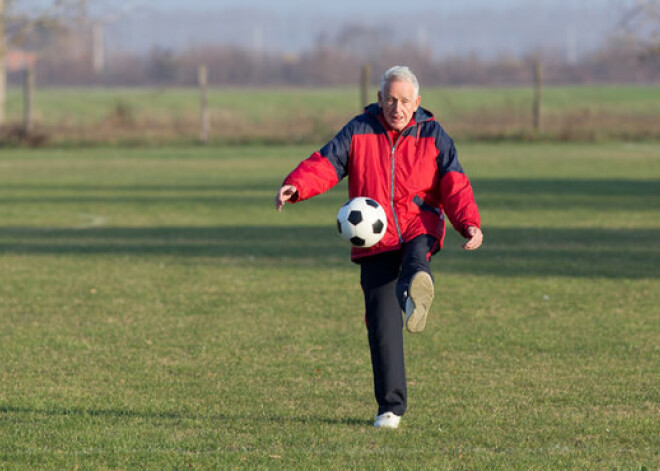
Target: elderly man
(396,153)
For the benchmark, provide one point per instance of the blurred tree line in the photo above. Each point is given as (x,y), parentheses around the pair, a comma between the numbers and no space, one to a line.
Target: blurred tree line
(68,56)
(65,61)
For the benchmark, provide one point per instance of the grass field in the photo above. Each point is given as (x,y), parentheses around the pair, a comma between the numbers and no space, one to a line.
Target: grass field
(157,313)
(294,115)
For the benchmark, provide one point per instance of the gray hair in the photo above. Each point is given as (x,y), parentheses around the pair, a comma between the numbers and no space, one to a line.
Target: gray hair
(399,73)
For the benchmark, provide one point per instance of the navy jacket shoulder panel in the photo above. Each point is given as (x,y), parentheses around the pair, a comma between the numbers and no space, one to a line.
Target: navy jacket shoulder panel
(366,123)
(338,150)
(447,158)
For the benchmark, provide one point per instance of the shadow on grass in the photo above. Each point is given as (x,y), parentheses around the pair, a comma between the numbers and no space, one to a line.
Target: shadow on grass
(512,193)
(568,194)
(584,252)
(78,411)
(171,415)
(568,186)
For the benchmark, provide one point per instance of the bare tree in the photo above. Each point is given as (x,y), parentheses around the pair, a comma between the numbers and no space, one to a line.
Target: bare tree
(641,23)
(3,67)
(17,25)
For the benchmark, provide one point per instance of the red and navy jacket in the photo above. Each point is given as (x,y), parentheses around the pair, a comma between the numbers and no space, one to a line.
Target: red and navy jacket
(415,176)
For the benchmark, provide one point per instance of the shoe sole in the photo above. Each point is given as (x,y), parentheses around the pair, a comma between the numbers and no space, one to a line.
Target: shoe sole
(421,292)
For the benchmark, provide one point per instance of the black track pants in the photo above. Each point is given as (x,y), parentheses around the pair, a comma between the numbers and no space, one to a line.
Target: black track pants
(385,278)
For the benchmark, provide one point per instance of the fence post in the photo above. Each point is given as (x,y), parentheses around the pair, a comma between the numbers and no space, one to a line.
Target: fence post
(538,86)
(28,99)
(202,76)
(3,65)
(365,78)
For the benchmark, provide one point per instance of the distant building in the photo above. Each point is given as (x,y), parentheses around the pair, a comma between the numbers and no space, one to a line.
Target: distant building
(19,60)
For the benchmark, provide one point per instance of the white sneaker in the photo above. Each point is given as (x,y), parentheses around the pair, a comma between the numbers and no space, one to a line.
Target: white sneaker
(420,297)
(387,420)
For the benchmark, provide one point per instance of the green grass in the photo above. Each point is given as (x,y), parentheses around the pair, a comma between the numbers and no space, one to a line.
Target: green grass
(79,106)
(304,115)
(157,313)
(84,104)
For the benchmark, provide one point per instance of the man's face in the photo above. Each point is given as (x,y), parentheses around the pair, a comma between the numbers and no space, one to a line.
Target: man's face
(399,104)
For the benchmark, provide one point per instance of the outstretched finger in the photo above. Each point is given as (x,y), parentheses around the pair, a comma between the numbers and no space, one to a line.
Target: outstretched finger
(472,244)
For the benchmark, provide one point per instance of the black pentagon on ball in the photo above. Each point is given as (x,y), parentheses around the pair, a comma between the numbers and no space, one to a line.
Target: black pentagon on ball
(338,226)
(378,227)
(355,217)
(357,241)
(371,202)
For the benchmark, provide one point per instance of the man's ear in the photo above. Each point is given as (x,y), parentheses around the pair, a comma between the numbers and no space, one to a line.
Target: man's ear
(418,101)
(380,98)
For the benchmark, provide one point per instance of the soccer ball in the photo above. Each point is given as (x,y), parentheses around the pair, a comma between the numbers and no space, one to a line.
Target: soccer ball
(362,222)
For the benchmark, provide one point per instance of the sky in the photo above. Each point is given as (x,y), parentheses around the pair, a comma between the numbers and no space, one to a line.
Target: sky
(487,28)
(337,7)
(349,5)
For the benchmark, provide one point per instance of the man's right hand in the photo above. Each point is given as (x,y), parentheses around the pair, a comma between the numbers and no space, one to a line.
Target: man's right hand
(284,195)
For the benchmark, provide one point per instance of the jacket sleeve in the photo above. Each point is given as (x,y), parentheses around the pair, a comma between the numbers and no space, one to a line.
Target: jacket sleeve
(323,169)
(455,189)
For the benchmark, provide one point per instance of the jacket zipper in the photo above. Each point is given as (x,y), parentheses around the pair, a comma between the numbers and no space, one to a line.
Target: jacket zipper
(396,219)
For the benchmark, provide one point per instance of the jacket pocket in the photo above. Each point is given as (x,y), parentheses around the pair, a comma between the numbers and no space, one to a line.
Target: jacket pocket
(424,206)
